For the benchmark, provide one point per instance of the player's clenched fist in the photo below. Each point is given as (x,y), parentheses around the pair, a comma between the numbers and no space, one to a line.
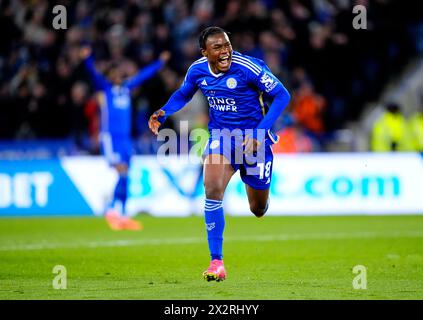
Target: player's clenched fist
(250,144)
(84,52)
(165,56)
(154,123)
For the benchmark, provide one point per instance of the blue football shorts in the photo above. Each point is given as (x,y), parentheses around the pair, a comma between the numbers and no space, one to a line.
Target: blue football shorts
(255,169)
(116,149)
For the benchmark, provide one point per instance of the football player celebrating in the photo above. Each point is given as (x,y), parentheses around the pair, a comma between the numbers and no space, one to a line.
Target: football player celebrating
(235,86)
(115,102)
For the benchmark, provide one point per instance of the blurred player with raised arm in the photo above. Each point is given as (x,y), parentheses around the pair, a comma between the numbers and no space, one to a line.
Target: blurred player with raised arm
(235,86)
(115,137)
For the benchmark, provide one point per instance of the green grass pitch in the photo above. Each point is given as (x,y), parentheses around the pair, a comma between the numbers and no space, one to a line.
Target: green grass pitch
(273,258)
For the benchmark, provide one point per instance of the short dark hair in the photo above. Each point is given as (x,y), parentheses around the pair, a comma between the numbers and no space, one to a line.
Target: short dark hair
(209,31)
(112,66)
(393,107)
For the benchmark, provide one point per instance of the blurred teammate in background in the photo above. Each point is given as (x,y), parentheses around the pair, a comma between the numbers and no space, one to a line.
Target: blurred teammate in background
(235,86)
(115,136)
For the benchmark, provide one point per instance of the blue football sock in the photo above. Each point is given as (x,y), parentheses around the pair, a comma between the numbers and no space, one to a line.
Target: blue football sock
(121,192)
(215,223)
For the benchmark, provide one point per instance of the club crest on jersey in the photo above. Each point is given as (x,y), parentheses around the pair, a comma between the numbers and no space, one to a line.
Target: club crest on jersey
(231,83)
(268,82)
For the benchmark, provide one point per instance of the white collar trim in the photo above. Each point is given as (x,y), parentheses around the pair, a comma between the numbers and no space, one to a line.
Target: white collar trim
(214,74)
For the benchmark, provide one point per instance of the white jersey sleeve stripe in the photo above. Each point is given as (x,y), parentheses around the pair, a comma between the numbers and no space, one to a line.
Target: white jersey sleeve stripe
(252,64)
(201,60)
(247,66)
(198,61)
(247,61)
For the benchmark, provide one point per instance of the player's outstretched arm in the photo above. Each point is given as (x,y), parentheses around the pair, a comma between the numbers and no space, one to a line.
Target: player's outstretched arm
(149,71)
(175,103)
(85,54)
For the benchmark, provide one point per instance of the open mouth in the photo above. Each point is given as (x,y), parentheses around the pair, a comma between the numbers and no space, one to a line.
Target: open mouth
(224,62)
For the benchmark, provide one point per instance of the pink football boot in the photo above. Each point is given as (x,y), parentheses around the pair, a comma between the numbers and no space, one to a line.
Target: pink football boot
(215,272)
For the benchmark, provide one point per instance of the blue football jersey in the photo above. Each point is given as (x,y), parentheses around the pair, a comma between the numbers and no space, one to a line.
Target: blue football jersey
(115,110)
(235,97)
(115,100)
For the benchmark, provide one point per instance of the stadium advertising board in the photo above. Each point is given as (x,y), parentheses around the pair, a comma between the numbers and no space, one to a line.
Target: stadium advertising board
(38,187)
(302,185)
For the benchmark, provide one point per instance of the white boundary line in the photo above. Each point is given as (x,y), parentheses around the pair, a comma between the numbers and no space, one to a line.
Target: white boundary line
(200,240)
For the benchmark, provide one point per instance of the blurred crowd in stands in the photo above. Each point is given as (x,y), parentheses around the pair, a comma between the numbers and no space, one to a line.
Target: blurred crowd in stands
(331,69)
(392,131)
